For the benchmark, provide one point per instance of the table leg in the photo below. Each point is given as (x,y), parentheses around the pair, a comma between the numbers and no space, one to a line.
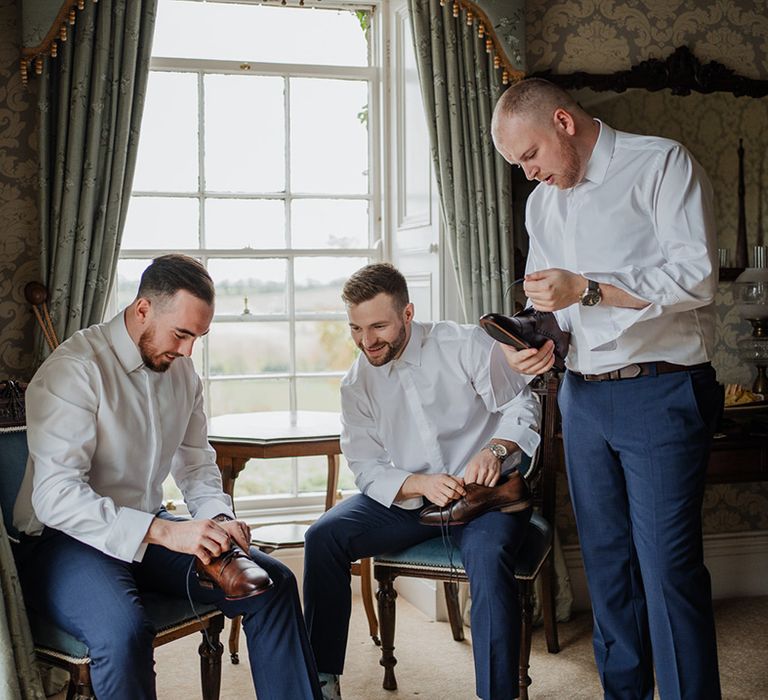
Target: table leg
(333,481)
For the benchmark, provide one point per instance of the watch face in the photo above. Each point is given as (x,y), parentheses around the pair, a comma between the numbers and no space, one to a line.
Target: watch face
(591,298)
(498,450)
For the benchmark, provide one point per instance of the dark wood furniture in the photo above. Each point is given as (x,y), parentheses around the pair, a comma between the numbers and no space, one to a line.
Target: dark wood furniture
(430,560)
(740,448)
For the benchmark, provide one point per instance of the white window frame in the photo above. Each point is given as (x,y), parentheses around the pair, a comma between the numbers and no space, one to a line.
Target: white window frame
(268,507)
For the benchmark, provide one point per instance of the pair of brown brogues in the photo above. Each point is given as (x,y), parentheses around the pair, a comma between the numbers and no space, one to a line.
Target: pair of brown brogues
(235,573)
(510,497)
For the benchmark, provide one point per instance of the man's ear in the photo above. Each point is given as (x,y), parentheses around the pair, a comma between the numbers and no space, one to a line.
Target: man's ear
(408,312)
(563,121)
(142,308)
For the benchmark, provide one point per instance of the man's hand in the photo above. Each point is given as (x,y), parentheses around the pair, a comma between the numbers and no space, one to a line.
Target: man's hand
(439,489)
(554,289)
(205,539)
(530,361)
(240,533)
(484,469)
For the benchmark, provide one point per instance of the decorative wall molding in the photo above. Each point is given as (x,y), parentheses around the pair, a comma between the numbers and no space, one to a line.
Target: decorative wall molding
(681,72)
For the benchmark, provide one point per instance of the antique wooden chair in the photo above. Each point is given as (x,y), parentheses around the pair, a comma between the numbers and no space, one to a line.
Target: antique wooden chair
(172,617)
(436,561)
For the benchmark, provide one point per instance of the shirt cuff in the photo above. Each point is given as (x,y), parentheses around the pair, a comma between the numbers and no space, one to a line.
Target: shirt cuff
(384,489)
(210,509)
(526,438)
(125,540)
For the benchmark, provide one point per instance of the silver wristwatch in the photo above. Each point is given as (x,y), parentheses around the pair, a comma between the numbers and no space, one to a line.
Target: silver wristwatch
(498,450)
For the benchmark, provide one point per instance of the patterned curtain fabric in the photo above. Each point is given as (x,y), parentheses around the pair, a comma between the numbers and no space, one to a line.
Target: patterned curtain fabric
(90,103)
(19,676)
(460,87)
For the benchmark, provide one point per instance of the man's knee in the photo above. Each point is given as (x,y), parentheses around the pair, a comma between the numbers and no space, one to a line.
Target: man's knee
(321,536)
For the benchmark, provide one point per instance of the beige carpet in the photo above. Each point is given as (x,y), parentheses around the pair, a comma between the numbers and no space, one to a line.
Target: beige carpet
(431,666)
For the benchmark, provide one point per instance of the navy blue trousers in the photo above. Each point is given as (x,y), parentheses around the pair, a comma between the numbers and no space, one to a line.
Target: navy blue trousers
(636,454)
(360,527)
(96,598)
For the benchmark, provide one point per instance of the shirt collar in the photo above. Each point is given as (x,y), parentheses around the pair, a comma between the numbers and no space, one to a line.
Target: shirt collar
(126,350)
(412,353)
(601,154)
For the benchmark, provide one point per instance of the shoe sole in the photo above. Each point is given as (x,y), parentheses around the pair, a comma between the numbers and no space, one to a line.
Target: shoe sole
(503,336)
(515,507)
(251,595)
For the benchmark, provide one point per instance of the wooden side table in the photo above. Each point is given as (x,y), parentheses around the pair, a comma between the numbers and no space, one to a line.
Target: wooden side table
(238,437)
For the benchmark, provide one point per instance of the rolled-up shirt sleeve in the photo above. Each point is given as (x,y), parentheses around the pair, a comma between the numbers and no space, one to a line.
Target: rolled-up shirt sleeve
(62,434)
(194,467)
(375,474)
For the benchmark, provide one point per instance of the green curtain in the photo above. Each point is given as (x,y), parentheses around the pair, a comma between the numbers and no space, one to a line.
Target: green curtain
(460,87)
(90,103)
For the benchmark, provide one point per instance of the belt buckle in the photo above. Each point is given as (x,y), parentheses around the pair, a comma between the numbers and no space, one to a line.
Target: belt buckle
(630,371)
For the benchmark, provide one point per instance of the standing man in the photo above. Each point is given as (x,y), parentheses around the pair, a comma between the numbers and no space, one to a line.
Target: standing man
(428,409)
(622,242)
(113,411)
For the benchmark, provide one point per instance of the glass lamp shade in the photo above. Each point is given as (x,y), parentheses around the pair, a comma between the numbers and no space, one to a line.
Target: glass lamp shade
(754,350)
(750,293)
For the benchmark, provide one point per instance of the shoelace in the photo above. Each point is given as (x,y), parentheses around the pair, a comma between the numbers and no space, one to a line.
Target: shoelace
(203,629)
(447,540)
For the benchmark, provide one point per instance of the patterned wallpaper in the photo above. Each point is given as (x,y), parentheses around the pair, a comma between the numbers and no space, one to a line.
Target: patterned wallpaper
(19,238)
(603,36)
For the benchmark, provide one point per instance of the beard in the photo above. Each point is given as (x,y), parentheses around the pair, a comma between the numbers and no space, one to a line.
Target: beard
(150,355)
(571,174)
(393,349)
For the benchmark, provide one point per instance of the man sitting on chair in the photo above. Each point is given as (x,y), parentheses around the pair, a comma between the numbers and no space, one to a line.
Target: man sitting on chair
(429,411)
(113,411)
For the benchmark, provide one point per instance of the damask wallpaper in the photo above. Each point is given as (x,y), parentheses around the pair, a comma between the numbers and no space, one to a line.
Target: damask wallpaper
(604,36)
(19,234)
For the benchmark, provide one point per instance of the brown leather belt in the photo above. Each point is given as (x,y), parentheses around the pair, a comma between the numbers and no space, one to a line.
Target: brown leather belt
(639,369)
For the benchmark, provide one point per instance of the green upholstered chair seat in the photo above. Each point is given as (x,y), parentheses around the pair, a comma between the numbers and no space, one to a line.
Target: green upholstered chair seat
(164,612)
(434,553)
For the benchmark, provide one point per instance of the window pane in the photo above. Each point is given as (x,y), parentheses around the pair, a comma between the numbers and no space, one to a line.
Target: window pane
(249,348)
(167,156)
(329,137)
(319,281)
(259,33)
(161,222)
(246,395)
(329,223)
(313,475)
(261,282)
(318,393)
(127,280)
(244,133)
(265,476)
(323,346)
(244,223)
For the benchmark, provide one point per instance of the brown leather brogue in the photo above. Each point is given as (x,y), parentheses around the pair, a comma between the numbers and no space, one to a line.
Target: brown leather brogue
(235,573)
(528,329)
(510,497)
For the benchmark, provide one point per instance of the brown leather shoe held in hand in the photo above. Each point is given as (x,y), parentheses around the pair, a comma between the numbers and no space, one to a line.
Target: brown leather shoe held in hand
(528,329)
(235,573)
(510,497)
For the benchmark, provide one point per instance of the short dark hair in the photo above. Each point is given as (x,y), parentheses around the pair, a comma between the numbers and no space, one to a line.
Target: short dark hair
(532,97)
(372,280)
(171,273)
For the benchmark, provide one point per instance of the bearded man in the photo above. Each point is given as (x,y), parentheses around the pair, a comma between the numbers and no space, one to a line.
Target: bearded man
(111,413)
(430,411)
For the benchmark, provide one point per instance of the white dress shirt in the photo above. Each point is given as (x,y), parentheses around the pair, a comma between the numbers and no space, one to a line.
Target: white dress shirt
(104,432)
(432,409)
(641,220)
